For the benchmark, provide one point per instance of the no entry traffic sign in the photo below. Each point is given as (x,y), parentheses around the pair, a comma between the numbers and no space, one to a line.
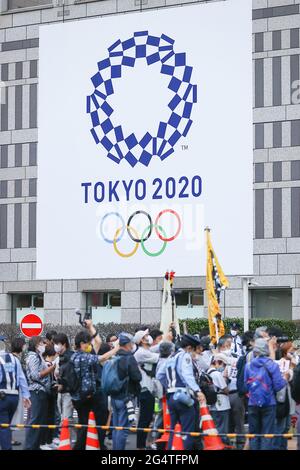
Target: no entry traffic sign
(31,325)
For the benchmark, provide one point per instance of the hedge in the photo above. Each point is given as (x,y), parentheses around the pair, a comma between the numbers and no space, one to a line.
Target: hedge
(198,325)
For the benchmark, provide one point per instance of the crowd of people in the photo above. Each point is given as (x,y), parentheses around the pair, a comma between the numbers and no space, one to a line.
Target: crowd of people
(245,380)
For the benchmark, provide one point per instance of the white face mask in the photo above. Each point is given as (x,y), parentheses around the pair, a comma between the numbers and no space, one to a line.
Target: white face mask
(227,352)
(58,348)
(149,340)
(233,332)
(41,348)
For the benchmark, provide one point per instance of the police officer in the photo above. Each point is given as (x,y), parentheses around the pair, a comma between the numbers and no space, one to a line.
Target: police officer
(236,345)
(12,379)
(183,392)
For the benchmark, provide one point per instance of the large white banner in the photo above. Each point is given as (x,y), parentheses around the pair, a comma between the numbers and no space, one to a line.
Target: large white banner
(145,138)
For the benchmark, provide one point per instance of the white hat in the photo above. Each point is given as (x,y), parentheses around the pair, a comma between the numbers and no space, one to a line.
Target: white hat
(139,335)
(222,357)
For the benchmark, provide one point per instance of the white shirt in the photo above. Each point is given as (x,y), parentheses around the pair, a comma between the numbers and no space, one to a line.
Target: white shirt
(222,403)
(148,358)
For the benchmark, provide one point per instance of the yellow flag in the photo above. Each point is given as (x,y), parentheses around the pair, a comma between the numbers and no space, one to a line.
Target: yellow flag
(215,282)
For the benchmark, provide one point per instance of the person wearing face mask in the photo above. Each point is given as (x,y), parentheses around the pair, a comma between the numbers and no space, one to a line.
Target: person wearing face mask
(236,345)
(12,381)
(18,346)
(38,376)
(89,395)
(220,410)
(147,361)
(182,390)
(64,400)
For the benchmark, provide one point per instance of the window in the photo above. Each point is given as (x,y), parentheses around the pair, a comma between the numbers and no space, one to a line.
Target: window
(296,133)
(276,81)
(277,171)
(14,4)
(104,306)
(189,304)
(259,173)
(259,42)
(259,136)
(295,201)
(277,134)
(25,303)
(277,213)
(259,83)
(294,38)
(259,213)
(295,170)
(271,303)
(276,40)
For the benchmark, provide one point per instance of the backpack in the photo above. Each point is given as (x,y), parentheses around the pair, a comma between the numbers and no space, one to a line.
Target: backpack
(207,387)
(260,392)
(240,378)
(71,378)
(295,385)
(111,382)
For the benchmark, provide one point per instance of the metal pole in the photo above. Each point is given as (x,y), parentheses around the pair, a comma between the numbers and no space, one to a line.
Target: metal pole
(246,303)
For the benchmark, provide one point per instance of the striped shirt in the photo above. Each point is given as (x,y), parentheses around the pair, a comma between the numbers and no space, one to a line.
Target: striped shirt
(12,377)
(34,365)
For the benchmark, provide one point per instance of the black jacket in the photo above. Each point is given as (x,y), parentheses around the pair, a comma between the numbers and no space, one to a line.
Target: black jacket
(128,367)
(63,361)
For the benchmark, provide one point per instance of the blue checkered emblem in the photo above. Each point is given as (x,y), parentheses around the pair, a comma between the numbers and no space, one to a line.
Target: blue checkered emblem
(110,135)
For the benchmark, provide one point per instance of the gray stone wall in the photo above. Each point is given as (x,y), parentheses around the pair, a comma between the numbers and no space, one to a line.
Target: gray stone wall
(276,252)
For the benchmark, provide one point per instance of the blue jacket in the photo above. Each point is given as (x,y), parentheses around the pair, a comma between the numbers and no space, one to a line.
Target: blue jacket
(273,377)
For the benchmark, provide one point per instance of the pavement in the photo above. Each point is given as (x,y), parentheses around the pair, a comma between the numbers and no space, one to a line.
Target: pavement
(19,435)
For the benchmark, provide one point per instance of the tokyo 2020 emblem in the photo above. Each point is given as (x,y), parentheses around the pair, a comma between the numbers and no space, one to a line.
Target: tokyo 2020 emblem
(110,135)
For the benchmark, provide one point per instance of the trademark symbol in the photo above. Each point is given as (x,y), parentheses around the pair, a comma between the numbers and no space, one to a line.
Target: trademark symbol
(184,147)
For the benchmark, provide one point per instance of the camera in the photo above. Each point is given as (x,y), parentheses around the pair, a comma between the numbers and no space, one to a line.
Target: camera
(131,412)
(282,339)
(86,316)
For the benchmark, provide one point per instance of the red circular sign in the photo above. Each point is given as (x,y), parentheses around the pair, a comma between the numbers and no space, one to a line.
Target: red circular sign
(31,325)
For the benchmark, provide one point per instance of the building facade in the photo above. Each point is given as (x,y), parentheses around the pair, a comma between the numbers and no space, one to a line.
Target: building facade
(275,288)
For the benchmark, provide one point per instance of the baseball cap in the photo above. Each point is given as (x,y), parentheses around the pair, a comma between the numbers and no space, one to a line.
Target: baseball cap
(125,338)
(234,326)
(2,338)
(139,335)
(191,340)
(222,357)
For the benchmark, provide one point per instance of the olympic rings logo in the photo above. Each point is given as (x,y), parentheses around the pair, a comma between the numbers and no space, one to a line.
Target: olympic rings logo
(146,234)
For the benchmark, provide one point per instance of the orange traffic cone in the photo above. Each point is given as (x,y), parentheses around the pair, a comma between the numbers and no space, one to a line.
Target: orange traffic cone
(64,440)
(177,443)
(92,441)
(166,422)
(213,442)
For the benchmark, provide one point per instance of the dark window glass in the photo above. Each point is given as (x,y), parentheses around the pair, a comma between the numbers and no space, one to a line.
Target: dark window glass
(259,213)
(277,213)
(294,38)
(276,40)
(18,188)
(18,106)
(276,81)
(18,226)
(33,106)
(259,136)
(259,83)
(19,70)
(259,42)
(4,156)
(3,189)
(295,129)
(277,171)
(33,154)
(295,201)
(32,187)
(18,155)
(259,173)
(277,134)
(3,226)
(32,224)
(295,170)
